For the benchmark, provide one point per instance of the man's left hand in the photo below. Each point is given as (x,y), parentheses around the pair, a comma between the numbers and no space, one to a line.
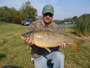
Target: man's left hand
(60,45)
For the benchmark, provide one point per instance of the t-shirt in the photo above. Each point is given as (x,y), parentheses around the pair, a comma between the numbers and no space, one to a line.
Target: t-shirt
(39,26)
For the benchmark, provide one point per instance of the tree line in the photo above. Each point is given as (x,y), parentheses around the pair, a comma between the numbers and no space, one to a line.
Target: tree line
(82,23)
(72,20)
(12,15)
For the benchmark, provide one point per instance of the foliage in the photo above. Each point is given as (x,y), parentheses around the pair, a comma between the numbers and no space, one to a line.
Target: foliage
(6,13)
(83,24)
(58,21)
(16,16)
(28,10)
(68,20)
(74,19)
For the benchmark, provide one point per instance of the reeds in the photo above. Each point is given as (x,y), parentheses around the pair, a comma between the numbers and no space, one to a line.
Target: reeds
(82,26)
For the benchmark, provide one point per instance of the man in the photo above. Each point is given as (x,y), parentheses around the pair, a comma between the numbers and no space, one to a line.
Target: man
(40,55)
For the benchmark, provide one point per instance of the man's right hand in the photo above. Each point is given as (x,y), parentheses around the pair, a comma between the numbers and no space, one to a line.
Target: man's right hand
(28,41)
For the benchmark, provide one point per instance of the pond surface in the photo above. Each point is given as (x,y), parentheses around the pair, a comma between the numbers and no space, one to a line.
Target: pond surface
(65,25)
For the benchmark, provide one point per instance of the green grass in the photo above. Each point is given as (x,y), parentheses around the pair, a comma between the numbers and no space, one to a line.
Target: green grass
(15,52)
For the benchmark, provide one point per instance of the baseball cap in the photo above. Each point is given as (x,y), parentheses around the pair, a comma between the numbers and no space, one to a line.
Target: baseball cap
(48,8)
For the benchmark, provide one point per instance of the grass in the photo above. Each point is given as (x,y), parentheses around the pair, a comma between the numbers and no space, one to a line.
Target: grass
(15,52)
(82,26)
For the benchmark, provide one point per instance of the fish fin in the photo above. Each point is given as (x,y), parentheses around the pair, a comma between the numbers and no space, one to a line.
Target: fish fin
(27,33)
(48,50)
(75,46)
(77,42)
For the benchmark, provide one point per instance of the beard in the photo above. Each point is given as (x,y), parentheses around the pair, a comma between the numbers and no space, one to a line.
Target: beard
(47,21)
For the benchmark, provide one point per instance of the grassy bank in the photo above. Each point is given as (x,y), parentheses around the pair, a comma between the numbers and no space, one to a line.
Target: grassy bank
(13,50)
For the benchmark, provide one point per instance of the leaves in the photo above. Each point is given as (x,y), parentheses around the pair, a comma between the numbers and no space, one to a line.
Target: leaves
(16,16)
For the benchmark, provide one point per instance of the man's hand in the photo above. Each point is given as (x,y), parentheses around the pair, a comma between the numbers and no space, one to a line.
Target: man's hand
(28,41)
(60,45)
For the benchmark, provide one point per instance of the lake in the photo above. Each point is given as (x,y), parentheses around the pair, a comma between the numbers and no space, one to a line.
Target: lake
(64,25)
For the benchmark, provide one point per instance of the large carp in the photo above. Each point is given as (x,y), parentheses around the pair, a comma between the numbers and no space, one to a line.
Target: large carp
(47,39)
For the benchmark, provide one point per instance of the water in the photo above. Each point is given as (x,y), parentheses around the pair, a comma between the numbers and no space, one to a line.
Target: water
(66,25)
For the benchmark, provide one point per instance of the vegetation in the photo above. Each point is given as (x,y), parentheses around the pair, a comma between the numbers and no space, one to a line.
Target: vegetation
(15,52)
(68,20)
(58,21)
(16,16)
(28,10)
(83,24)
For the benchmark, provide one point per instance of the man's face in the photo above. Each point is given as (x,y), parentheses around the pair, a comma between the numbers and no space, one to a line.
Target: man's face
(47,17)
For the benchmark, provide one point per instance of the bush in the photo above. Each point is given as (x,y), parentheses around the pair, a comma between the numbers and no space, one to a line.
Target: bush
(83,24)
(18,19)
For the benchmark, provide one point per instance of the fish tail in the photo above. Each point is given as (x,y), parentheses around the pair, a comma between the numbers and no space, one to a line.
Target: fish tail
(75,46)
(76,43)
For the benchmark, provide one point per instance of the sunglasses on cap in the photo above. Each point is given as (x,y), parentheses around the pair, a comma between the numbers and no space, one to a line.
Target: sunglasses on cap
(48,14)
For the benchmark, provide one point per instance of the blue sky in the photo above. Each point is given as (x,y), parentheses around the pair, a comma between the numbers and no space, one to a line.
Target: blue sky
(63,8)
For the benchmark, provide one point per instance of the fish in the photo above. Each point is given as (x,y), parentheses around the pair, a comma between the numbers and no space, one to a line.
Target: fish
(48,39)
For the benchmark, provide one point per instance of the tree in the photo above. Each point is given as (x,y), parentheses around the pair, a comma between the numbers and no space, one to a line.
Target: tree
(18,18)
(28,10)
(10,14)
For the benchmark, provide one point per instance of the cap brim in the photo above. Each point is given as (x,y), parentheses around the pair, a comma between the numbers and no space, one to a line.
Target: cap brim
(48,12)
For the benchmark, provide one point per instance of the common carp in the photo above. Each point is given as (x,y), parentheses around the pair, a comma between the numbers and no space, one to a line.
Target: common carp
(47,39)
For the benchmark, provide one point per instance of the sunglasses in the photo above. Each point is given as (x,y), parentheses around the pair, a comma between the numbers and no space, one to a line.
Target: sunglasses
(48,14)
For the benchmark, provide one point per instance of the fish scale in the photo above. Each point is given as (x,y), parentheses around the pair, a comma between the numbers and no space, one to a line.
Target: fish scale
(47,39)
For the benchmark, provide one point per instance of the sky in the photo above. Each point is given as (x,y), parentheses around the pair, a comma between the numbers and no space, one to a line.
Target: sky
(62,8)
